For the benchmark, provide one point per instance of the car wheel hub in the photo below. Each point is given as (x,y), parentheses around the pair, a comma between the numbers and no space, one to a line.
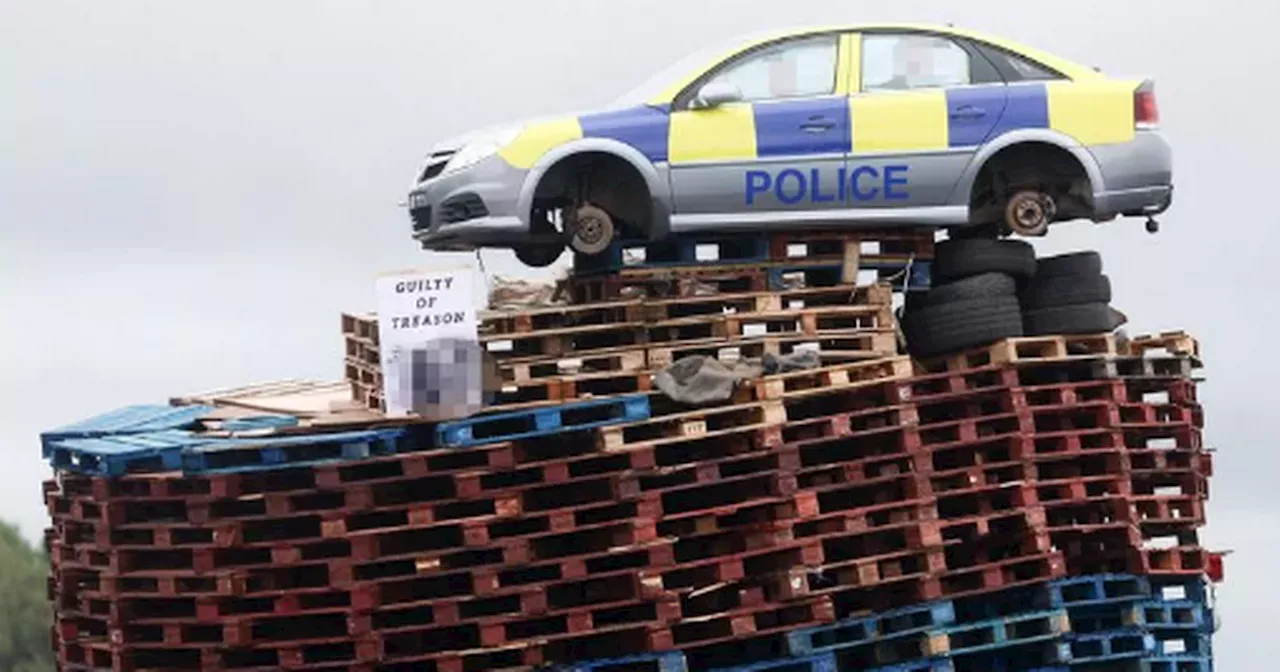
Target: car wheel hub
(1028,213)
(590,230)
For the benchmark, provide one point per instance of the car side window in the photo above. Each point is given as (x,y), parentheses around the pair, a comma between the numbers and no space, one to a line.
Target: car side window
(1015,67)
(904,61)
(793,69)
(1029,70)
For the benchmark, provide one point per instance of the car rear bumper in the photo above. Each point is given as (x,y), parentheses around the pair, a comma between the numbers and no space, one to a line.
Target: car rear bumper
(1135,202)
(1137,175)
(474,207)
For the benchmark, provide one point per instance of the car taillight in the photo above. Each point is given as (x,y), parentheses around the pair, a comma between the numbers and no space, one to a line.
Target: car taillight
(1145,111)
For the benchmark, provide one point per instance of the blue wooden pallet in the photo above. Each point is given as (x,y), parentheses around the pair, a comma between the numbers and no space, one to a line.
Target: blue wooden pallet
(821,662)
(1168,615)
(934,665)
(1018,658)
(136,419)
(865,642)
(1177,663)
(677,251)
(257,423)
(1003,633)
(1192,644)
(240,455)
(662,661)
(498,427)
(827,662)
(1099,590)
(1027,637)
(127,453)
(179,450)
(1105,598)
(1171,663)
(1181,587)
(1102,647)
(911,620)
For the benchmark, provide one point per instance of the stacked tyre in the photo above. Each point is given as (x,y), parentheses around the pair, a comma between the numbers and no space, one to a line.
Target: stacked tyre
(1068,294)
(975,296)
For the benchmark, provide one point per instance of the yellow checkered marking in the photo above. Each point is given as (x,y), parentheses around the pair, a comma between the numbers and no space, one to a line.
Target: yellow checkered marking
(1094,113)
(899,121)
(725,133)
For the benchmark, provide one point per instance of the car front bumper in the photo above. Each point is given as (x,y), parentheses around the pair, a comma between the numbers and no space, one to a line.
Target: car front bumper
(470,208)
(1137,175)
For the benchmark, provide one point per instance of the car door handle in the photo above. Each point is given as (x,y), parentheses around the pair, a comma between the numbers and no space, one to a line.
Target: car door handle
(968,112)
(817,125)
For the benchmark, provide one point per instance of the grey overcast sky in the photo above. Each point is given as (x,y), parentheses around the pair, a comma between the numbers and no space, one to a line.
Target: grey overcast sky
(190,192)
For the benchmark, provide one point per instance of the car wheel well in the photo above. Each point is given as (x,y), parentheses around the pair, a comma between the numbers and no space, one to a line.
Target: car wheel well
(1041,166)
(605,180)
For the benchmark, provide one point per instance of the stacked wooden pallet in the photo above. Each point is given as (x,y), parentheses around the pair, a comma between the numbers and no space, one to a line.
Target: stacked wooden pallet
(991,509)
(583,530)
(757,295)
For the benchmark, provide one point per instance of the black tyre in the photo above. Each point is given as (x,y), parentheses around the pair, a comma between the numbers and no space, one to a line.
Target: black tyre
(1065,290)
(976,287)
(950,327)
(1072,263)
(967,257)
(1082,318)
(539,255)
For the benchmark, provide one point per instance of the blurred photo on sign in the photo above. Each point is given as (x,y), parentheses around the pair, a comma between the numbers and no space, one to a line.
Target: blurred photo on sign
(431,354)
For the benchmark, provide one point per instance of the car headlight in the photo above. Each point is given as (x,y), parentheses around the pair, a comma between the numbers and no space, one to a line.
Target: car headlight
(482,147)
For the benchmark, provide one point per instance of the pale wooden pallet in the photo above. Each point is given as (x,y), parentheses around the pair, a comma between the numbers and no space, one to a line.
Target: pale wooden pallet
(363,373)
(578,387)
(495,322)
(837,244)
(1024,350)
(560,343)
(701,423)
(688,328)
(1173,342)
(878,294)
(651,356)
(626,360)
(659,310)
(362,350)
(766,302)
(832,378)
(361,325)
(810,321)
(867,344)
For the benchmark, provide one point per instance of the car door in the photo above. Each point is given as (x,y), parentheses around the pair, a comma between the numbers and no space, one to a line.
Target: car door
(777,150)
(921,104)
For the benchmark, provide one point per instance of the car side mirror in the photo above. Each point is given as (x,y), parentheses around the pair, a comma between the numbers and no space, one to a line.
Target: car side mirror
(715,94)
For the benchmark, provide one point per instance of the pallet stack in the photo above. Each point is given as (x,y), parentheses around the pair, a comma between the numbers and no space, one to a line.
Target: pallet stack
(990,510)
(628,317)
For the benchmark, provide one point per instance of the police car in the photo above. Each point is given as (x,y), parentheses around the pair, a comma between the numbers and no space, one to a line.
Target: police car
(878,126)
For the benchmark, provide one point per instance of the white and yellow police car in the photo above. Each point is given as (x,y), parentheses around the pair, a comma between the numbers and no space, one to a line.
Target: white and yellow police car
(883,126)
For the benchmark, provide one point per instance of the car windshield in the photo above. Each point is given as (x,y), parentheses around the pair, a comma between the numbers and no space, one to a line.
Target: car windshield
(680,69)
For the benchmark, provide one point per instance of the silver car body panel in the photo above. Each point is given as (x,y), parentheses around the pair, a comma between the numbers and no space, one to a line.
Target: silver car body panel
(655,180)
(1126,179)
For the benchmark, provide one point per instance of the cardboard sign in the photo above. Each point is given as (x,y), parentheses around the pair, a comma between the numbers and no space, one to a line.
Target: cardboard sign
(429,341)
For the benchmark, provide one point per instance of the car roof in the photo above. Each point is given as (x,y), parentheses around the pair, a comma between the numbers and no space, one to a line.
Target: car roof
(1070,69)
